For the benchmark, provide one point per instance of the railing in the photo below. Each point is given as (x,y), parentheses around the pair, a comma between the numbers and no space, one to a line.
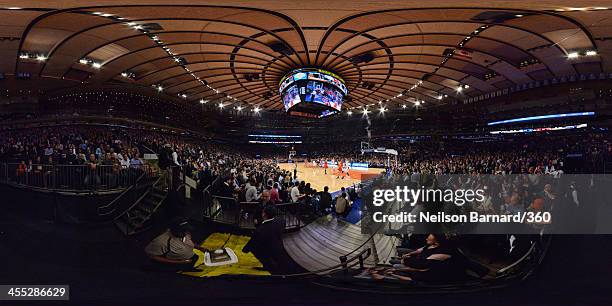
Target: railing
(134,203)
(531,258)
(71,177)
(346,263)
(243,214)
(130,194)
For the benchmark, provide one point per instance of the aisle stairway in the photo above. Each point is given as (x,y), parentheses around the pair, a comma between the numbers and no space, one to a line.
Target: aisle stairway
(320,244)
(138,217)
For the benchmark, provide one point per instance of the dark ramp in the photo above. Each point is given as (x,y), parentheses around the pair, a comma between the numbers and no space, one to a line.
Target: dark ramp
(320,244)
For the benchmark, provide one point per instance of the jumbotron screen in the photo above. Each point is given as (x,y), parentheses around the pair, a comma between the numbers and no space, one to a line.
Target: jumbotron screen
(312,92)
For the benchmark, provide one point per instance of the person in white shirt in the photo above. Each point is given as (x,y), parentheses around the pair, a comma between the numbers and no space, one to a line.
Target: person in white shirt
(251,191)
(124,161)
(295,193)
(175,157)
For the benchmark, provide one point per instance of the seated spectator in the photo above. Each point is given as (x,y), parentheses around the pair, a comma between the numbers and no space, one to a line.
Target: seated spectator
(426,263)
(325,199)
(251,191)
(296,195)
(274,194)
(486,205)
(174,248)
(136,162)
(343,207)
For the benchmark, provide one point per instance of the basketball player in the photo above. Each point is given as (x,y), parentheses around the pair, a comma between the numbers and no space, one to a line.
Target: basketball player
(325,166)
(339,169)
(345,170)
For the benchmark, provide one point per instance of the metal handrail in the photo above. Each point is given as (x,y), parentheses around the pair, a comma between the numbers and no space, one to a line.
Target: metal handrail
(342,266)
(243,207)
(138,200)
(120,196)
(71,178)
(518,261)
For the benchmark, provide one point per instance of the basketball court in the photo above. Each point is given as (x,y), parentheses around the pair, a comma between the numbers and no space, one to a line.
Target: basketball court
(318,179)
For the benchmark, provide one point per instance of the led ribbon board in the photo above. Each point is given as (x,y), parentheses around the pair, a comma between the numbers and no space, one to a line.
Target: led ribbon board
(542,117)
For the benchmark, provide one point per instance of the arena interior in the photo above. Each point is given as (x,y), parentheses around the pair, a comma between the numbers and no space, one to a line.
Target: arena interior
(233,152)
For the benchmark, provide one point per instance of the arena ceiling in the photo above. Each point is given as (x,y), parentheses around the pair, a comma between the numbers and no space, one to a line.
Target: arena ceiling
(237,51)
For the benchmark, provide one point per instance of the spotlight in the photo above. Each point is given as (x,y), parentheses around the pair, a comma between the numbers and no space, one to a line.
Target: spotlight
(184,96)
(404,106)
(591,53)
(159,88)
(124,74)
(440,97)
(239,108)
(573,55)
(84,61)
(41,58)
(382,110)
(460,89)
(417,103)
(365,111)
(221,105)
(24,56)
(202,101)
(349,113)
(96,65)
(256,109)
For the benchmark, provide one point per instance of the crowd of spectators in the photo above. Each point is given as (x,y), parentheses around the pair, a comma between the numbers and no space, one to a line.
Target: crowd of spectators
(241,173)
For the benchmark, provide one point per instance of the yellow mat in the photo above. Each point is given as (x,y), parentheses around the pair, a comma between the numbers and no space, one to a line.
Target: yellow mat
(246,262)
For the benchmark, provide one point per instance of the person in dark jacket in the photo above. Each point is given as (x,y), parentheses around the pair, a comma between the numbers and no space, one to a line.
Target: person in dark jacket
(267,242)
(165,163)
(325,201)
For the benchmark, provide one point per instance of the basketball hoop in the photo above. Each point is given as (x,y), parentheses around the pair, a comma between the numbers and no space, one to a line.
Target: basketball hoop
(365,147)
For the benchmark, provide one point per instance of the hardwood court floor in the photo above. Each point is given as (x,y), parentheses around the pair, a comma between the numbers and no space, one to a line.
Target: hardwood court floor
(318,179)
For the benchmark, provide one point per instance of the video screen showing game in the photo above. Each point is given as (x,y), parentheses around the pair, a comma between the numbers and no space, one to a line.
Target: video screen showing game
(291,97)
(318,92)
